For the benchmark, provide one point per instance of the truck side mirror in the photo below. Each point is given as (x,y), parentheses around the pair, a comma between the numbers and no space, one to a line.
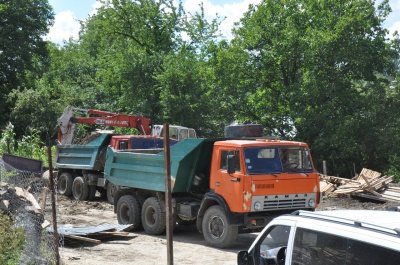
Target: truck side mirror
(242,257)
(231,163)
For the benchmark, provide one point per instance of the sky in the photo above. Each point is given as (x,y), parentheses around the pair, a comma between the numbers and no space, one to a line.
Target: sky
(68,13)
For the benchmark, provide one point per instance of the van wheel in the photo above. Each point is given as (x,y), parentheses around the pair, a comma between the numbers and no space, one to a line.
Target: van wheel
(216,230)
(64,184)
(128,211)
(153,218)
(111,188)
(80,189)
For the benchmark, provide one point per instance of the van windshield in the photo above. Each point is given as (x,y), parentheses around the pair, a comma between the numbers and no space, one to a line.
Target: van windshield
(278,159)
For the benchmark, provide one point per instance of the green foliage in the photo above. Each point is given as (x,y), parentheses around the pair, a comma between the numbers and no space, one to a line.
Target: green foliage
(30,146)
(322,72)
(126,131)
(7,141)
(23,25)
(394,168)
(12,240)
(306,61)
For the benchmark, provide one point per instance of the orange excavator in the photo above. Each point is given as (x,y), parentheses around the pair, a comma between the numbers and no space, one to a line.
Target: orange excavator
(66,123)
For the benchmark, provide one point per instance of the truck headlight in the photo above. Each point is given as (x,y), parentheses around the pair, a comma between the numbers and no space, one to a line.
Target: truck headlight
(257,206)
(311,202)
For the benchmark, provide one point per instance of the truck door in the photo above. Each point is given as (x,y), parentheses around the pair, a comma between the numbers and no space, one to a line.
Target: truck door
(229,186)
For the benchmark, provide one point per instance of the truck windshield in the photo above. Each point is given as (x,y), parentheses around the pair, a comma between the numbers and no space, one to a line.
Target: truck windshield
(278,159)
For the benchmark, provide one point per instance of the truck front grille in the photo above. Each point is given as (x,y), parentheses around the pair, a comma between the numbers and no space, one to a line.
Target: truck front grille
(284,204)
(283,201)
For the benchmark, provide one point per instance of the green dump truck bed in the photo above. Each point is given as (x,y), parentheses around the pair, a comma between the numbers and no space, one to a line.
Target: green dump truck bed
(146,171)
(82,156)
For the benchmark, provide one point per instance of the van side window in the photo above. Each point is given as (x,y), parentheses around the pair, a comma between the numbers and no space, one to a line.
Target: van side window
(364,253)
(273,248)
(224,160)
(312,247)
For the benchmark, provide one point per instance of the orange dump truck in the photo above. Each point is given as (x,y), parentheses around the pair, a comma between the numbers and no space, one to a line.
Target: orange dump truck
(225,185)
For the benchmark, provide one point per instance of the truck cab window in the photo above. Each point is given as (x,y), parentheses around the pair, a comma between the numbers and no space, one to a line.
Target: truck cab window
(224,159)
(123,145)
(295,159)
(262,160)
(272,249)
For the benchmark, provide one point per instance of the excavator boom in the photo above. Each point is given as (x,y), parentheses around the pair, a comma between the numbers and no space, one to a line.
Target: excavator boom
(66,123)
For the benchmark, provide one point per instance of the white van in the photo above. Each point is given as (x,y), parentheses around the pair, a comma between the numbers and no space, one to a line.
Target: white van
(328,238)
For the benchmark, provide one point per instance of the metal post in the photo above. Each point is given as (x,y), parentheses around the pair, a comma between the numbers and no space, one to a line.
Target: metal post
(168,195)
(324,168)
(53,205)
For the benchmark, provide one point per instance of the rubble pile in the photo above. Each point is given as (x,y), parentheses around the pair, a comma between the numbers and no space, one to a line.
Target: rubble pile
(13,198)
(368,184)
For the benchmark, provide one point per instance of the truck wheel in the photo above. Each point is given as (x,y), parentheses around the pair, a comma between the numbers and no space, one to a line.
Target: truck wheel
(110,192)
(153,218)
(215,228)
(64,184)
(128,211)
(80,189)
(92,192)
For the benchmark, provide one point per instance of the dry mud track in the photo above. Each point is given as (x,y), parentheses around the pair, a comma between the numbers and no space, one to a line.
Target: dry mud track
(189,246)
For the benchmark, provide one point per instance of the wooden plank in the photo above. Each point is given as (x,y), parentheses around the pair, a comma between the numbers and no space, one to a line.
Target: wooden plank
(112,233)
(44,199)
(96,241)
(392,198)
(368,184)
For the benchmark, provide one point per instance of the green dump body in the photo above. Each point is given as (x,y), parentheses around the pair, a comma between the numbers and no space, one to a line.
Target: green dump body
(83,156)
(146,171)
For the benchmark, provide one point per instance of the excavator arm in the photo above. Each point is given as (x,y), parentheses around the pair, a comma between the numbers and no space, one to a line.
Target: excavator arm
(66,123)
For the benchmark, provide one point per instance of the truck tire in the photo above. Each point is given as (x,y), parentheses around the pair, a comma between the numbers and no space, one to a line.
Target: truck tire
(153,217)
(128,211)
(244,130)
(216,230)
(92,192)
(110,192)
(64,184)
(80,189)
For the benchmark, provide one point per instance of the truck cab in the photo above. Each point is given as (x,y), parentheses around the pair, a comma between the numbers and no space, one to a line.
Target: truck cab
(260,179)
(138,142)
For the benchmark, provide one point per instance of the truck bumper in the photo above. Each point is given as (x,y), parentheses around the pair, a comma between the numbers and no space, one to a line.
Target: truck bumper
(257,220)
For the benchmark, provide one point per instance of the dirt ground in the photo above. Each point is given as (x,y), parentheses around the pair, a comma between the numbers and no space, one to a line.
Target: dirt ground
(189,246)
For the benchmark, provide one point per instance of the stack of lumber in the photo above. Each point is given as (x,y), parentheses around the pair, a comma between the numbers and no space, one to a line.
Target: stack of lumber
(368,183)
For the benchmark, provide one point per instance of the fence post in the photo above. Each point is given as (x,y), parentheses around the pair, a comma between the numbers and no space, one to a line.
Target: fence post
(53,205)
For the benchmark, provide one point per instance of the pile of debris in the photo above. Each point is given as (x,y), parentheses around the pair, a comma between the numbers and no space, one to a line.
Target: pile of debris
(12,199)
(368,184)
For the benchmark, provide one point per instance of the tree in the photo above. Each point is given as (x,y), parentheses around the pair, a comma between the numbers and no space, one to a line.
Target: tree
(22,27)
(304,61)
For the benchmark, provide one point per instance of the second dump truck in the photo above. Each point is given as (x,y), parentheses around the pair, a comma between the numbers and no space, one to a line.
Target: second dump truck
(225,186)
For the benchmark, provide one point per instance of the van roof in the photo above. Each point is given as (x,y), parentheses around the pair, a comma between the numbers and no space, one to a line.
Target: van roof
(385,221)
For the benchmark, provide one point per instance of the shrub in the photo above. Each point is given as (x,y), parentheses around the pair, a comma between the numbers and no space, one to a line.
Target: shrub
(11,241)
